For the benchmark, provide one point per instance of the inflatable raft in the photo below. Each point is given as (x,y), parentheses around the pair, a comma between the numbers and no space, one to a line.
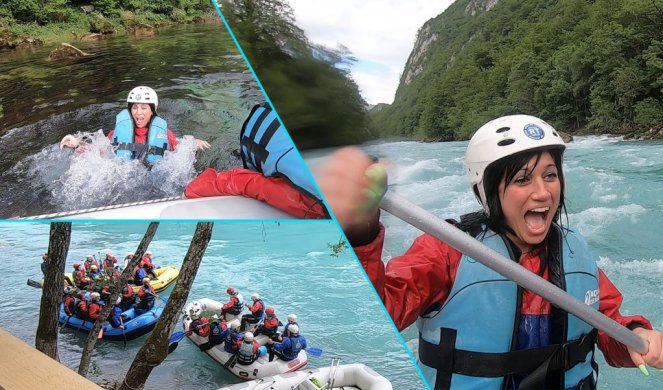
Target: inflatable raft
(344,376)
(260,368)
(166,276)
(213,207)
(136,324)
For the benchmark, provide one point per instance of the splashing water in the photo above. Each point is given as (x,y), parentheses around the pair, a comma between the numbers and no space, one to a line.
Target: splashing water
(96,177)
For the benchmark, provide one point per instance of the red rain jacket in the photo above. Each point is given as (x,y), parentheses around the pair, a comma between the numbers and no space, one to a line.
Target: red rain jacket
(274,191)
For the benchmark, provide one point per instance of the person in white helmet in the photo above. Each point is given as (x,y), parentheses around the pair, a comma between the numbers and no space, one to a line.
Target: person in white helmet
(247,349)
(477,328)
(257,311)
(139,132)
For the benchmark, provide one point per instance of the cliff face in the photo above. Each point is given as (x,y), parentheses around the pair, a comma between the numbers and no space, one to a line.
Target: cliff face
(584,66)
(426,37)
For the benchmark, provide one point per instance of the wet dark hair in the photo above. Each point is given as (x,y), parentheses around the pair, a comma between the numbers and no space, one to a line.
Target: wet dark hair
(504,170)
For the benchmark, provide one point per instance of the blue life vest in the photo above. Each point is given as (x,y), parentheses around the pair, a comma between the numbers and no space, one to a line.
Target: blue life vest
(291,348)
(216,335)
(123,139)
(266,147)
(231,337)
(469,342)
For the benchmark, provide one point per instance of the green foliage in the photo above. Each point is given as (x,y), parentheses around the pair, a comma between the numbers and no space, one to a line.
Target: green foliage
(318,102)
(337,248)
(582,65)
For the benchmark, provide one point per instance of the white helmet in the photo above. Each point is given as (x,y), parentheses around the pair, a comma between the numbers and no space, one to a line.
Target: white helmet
(95,296)
(143,95)
(248,337)
(502,137)
(148,253)
(255,296)
(293,329)
(292,318)
(194,315)
(234,324)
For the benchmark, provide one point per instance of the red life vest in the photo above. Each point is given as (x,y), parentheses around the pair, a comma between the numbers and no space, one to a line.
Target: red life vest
(94,310)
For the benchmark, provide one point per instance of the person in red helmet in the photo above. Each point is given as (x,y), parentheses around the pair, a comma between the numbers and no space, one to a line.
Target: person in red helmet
(235,303)
(514,166)
(270,325)
(80,276)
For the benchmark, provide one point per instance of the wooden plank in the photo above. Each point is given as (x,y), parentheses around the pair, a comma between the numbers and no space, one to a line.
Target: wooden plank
(23,367)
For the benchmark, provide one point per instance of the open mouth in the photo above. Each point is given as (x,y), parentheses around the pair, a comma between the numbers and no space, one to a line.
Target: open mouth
(536,219)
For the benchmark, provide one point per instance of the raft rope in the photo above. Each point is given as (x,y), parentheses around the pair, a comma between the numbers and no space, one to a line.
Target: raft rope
(111,207)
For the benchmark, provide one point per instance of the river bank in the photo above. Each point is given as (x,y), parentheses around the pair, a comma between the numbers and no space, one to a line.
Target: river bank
(88,26)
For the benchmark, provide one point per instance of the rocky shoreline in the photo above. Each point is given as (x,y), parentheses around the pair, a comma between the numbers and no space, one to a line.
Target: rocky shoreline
(100,28)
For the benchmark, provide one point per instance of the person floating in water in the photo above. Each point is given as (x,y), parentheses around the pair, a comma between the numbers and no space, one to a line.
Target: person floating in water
(139,132)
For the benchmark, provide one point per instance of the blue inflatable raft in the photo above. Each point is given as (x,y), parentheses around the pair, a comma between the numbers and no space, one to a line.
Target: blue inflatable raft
(136,325)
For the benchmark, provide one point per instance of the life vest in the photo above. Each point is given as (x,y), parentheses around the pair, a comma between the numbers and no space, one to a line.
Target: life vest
(231,337)
(139,275)
(259,312)
(291,350)
(246,354)
(266,147)
(115,317)
(93,310)
(150,152)
(215,333)
(469,342)
(70,305)
(238,306)
(81,308)
(127,292)
(271,323)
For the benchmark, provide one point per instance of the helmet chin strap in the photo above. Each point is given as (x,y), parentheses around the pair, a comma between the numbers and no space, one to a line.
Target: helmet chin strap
(482,198)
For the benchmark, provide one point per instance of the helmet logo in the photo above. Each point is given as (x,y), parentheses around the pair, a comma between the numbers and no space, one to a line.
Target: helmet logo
(534,132)
(139,97)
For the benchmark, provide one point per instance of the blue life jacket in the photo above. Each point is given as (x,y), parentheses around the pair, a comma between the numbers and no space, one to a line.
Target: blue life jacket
(140,275)
(231,337)
(216,335)
(291,346)
(115,317)
(470,341)
(266,147)
(123,139)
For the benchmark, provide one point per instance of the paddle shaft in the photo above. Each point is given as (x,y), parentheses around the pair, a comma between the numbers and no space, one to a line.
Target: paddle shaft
(428,223)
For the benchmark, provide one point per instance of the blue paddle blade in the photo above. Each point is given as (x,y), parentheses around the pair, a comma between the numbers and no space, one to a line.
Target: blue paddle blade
(176,337)
(317,352)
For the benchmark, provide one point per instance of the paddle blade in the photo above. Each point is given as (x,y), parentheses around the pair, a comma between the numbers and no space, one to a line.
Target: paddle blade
(172,347)
(176,337)
(101,333)
(317,352)
(34,283)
